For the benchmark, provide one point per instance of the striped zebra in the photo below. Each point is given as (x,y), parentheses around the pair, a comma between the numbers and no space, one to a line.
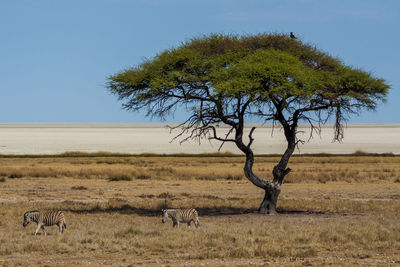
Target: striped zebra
(179,215)
(43,219)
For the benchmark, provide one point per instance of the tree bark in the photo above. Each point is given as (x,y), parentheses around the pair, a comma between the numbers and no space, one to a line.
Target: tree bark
(268,205)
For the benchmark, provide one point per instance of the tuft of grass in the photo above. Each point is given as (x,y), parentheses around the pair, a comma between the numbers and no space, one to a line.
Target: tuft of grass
(211,197)
(80,187)
(234,177)
(206,178)
(120,177)
(15,175)
(166,195)
(143,176)
(146,196)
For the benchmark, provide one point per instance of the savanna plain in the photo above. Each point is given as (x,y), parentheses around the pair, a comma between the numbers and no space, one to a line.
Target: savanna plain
(333,211)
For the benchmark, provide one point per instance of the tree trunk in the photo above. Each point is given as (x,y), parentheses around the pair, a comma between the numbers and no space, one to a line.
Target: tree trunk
(272,189)
(268,205)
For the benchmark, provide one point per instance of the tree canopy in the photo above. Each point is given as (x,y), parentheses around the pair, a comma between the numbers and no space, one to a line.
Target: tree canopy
(229,79)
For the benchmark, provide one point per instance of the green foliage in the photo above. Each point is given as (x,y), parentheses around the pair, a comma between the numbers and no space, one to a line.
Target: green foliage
(215,69)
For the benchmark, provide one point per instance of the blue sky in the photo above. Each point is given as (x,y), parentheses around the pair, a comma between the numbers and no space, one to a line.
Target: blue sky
(55,55)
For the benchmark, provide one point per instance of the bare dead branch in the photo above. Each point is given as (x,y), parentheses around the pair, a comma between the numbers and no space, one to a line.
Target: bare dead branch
(338,125)
(251,139)
(226,138)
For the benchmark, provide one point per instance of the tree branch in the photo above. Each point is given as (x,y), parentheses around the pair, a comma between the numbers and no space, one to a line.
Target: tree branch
(251,137)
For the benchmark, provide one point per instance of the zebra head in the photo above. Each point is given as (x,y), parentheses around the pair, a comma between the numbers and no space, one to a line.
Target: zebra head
(29,216)
(164,215)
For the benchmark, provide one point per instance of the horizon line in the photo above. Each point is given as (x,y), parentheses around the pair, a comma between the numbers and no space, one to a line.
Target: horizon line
(166,124)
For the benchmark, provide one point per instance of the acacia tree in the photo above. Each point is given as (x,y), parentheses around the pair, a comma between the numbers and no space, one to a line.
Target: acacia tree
(227,79)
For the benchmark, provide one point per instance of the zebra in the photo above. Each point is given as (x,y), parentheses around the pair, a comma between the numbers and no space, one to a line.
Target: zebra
(43,219)
(181,215)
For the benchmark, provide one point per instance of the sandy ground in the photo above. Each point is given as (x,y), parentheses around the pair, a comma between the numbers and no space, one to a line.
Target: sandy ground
(156,138)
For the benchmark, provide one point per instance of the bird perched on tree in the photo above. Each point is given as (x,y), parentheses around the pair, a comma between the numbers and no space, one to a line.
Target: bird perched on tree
(292,35)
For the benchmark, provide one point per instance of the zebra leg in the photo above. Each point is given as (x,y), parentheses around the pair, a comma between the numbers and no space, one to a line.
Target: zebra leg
(43,230)
(189,222)
(60,227)
(196,222)
(37,228)
(175,223)
(64,225)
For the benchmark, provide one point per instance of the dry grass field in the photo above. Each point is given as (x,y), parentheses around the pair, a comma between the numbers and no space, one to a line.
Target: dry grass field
(334,211)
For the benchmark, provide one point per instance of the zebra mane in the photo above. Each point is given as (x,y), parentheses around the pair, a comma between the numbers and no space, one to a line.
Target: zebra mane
(28,213)
(167,210)
(171,211)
